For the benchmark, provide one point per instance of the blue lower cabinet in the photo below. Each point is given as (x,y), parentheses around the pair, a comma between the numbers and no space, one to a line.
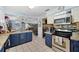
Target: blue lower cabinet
(22,38)
(76,49)
(25,37)
(48,40)
(74,46)
(29,36)
(14,40)
(71,45)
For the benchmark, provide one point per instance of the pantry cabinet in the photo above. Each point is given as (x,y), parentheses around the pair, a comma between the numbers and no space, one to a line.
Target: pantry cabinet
(75,14)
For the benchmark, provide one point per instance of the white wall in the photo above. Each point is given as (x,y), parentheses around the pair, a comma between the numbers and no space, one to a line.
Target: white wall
(40,31)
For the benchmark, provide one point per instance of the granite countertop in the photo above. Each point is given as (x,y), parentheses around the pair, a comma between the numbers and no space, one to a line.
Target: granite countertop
(4,37)
(20,32)
(48,32)
(75,36)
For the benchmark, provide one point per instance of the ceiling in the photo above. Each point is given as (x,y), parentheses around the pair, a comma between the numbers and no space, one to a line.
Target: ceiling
(26,11)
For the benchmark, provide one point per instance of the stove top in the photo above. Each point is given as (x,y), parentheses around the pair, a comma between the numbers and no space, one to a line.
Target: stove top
(63,33)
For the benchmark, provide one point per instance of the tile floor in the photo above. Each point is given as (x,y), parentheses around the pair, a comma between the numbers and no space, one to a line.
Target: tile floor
(37,45)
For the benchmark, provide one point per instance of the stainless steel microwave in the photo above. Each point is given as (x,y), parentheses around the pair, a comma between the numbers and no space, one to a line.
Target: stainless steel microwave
(63,19)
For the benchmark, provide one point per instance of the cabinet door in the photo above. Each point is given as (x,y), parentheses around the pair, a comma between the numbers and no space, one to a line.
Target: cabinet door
(75,14)
(14,39)
(48,40)
(23,38)
(76,49)
(71,45)
(50,20)
(29,36)
(74,46)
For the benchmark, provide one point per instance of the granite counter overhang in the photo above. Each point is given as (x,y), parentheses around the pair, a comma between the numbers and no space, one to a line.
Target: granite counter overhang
(4,37)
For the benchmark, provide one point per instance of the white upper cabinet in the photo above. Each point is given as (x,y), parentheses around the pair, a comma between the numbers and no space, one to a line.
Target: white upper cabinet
(75,14)
(50,20)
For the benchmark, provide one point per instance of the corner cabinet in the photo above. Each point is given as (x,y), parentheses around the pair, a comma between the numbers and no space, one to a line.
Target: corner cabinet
(75,14)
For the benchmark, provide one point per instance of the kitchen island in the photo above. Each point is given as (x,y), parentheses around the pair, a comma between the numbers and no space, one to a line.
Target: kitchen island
(12,39)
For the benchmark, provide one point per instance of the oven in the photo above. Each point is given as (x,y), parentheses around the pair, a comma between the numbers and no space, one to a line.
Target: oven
(61,43)
(61,40)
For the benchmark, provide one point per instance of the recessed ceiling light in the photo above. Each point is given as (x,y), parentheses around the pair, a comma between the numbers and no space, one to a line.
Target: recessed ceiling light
(31,7)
